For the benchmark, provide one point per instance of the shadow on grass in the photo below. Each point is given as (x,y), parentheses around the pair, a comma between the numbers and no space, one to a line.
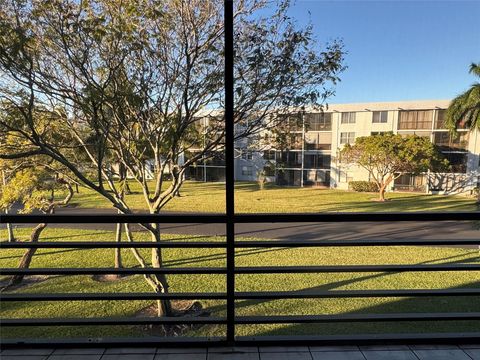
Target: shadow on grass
(342,283)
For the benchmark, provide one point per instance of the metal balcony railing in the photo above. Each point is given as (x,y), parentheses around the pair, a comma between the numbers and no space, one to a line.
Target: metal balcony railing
(231,295)
(230,320)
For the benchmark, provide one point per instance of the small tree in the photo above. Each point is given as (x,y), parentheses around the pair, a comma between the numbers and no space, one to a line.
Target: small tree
(35,188)
(388,156)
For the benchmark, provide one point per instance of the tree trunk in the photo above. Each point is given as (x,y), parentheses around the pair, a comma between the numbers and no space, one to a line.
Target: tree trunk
(128,191)
(153,282)
(381,193)
(118,253)
(11,236)
(383,187)
(118,232)
(27,257)
(164,307)
(35,234)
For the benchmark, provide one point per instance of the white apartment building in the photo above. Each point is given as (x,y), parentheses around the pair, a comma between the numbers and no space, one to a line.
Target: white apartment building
(311,158)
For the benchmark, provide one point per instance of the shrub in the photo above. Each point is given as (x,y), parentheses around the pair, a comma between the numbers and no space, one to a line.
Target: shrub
(363,186)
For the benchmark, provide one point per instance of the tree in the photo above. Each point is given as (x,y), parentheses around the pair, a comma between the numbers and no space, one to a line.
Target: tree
(35,188)
(388,156)
(131,80)
(465,108)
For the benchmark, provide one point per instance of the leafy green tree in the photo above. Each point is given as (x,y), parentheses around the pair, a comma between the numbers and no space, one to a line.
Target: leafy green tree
(35,188)
(465,108)
(133,78)
(388,156)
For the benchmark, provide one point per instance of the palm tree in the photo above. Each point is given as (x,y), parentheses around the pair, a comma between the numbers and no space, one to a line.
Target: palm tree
(466,107)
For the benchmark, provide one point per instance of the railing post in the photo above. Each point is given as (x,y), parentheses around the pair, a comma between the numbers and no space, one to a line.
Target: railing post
(229,169)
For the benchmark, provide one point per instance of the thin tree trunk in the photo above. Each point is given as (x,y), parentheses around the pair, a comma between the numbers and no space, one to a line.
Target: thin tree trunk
(153,282)
(36,232)
(11,236)
(28,255)
(383,187)
(128,191)
(381,193)
(164,307)
(118,232)
(118,253)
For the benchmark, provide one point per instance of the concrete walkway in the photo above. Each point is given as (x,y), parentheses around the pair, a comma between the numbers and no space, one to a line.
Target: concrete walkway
(390,352)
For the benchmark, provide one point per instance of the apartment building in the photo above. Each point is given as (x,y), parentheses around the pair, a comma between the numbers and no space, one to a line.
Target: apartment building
(310,158)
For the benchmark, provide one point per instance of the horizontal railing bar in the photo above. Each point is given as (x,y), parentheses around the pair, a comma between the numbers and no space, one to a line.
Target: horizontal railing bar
(244,218)
(358,216)
(361,339)
(105,271)
(243,270)
(354,268)
(169,341)
(358,339)
(114,218)
(110,296)
(113,321)
(360,242)
(355,294)
(305,319)
(241,295)
(238,244)
(110,245)
(285,319)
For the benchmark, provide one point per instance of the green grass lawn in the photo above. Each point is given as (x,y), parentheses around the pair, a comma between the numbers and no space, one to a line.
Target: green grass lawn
(246,257)
(210,197)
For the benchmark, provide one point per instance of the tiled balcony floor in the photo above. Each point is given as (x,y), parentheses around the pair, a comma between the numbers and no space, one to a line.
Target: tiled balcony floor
(390,352)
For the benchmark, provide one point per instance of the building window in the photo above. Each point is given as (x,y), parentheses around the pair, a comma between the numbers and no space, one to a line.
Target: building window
(458,162)
(409,182)
(449,142)
(247,155)
(440,120)
(348,118)
(318,141)
(415,119)
(269,154)
(247,171)
(378,132)
(291,122)
(318,122)
(347,138)
(380,116)
(317,161)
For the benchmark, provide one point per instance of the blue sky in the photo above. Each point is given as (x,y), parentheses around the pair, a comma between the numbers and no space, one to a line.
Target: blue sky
(399,50)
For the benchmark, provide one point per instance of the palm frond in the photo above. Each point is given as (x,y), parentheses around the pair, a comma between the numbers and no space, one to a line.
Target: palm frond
(474,69)
(466,106)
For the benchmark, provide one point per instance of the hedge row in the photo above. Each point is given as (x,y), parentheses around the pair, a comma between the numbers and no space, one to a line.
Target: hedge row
(363,186)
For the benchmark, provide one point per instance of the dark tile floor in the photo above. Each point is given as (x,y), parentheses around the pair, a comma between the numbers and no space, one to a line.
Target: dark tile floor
(390,352)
